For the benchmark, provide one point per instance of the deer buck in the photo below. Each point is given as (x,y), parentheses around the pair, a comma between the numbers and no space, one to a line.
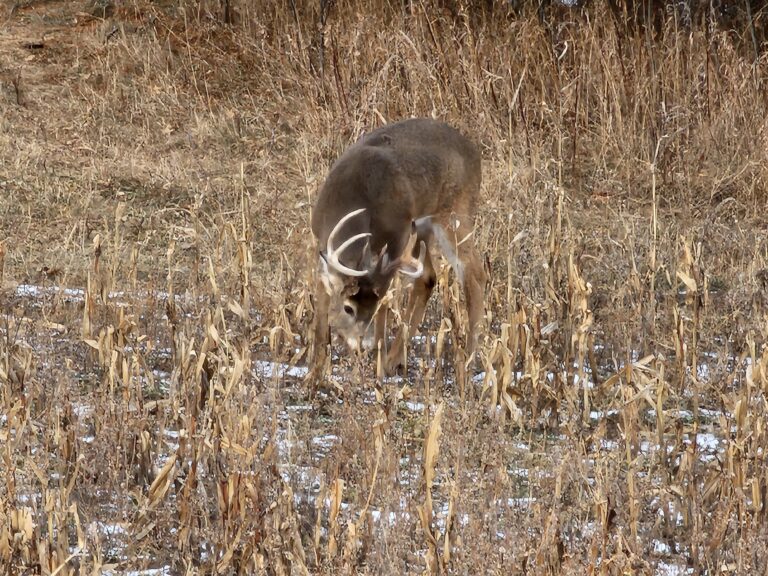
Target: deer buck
(383,203)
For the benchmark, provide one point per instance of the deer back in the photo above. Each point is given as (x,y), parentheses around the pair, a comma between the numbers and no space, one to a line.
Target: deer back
(398,173)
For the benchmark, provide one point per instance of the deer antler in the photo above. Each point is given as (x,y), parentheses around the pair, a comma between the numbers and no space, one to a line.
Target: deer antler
(333,253)
(406,259)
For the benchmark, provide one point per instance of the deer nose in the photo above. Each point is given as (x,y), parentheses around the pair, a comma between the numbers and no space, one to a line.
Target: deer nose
(368,342)
(360,343)
(353,342)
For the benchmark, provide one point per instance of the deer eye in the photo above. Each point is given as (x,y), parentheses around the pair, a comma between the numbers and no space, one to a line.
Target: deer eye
(348,309)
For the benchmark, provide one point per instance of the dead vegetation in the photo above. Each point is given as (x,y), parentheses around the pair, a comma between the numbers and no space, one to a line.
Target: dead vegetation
(158,162)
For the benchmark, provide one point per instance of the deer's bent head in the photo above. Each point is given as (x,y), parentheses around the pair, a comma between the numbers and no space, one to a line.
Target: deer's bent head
(356,292)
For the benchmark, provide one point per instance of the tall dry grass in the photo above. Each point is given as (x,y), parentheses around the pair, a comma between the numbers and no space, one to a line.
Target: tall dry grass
(158,168)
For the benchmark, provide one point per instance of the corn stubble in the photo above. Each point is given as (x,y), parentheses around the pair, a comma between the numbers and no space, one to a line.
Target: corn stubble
(152,411)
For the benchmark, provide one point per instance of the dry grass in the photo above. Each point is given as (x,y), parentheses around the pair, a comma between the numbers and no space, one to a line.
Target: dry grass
(157,170)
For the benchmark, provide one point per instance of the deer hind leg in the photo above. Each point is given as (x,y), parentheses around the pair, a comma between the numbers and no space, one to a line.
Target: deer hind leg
(458,247)
(414,314)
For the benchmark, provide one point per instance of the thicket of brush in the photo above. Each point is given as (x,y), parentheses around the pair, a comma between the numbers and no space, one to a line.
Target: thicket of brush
(163,157)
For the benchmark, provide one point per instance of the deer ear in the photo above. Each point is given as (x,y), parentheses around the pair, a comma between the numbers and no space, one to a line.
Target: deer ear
(333,282)
(325,274)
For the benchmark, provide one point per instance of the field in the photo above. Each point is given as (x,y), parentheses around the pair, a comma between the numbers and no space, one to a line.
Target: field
(158,165)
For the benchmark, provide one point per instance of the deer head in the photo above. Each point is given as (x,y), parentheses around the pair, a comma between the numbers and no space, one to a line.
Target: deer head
(355,293)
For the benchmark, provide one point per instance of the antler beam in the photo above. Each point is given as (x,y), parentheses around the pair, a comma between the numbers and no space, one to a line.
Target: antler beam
(333,253)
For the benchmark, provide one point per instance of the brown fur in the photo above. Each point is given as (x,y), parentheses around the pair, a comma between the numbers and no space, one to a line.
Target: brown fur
(417,177)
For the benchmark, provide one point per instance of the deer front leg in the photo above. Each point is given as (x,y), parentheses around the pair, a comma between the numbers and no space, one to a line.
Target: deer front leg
(321,335)
(417,304)
(380,334)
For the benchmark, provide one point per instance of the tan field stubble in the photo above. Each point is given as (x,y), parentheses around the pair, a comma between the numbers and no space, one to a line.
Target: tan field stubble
(157,170)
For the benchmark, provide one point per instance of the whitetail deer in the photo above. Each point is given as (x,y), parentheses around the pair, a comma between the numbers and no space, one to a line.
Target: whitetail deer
(382,203)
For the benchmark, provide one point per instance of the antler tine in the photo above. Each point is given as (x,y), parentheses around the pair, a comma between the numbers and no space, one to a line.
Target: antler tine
(334,253)
(419,269)
(333,257)
(405,259)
